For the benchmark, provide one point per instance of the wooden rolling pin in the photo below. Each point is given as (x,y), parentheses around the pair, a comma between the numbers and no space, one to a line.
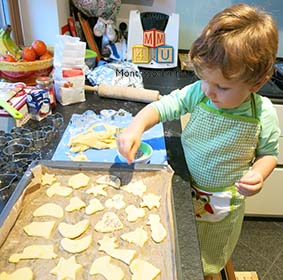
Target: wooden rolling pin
(125,93)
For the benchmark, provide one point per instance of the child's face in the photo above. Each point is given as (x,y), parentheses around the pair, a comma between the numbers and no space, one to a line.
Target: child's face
(225,94)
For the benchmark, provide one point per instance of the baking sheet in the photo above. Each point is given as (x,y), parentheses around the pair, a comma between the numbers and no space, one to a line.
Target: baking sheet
(158,180)
(153,136)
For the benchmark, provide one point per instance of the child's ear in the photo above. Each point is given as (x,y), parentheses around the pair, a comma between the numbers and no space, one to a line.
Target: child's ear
(259,84)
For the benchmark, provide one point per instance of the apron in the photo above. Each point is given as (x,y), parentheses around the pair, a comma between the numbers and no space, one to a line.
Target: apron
(219,148)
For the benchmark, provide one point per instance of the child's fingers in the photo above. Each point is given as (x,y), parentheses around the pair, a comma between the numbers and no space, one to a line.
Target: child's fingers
(246,189)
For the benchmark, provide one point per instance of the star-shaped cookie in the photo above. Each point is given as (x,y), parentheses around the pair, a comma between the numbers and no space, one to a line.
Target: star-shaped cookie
(66,268)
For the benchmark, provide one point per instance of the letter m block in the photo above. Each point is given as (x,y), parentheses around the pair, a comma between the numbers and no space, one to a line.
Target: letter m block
(140,54)
(164,54)
(153,38)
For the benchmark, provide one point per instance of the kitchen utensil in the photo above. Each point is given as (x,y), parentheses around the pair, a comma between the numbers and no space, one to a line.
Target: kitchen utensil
(13,149)
(6,181)
(7,94)
(125,93)
(25,141)
(143,154)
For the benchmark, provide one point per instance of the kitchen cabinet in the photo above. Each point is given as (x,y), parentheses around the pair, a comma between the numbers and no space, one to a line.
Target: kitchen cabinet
(269,201)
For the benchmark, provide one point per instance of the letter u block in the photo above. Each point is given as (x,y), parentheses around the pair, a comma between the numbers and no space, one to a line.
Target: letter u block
(140,54)
(164,54)
(153,38)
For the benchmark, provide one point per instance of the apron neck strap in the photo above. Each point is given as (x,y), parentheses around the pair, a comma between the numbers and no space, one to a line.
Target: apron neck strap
(253,104)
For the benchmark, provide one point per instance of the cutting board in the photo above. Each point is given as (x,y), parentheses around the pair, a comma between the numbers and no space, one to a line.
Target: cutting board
(154,137)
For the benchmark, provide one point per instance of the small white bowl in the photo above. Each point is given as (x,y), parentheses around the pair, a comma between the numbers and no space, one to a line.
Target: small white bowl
(143,155)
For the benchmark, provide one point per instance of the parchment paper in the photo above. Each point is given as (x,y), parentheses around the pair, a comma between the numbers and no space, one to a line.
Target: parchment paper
(162,255)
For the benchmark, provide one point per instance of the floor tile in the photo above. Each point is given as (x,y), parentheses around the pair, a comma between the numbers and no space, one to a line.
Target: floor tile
(245,259)
(260,248)
(275,273)
(263,237)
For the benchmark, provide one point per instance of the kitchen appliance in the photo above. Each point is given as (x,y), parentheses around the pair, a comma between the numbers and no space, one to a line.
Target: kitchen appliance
(140,22)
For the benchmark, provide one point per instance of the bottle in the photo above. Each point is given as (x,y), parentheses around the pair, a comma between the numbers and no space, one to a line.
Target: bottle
(46,83)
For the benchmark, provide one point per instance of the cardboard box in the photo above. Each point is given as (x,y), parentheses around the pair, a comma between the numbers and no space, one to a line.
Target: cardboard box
(7,122)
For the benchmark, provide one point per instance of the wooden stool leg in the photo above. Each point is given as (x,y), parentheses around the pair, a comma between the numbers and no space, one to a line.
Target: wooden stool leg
(229,270)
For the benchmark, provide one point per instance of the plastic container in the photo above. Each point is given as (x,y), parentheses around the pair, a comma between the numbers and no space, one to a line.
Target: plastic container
(143,154)
(90,58)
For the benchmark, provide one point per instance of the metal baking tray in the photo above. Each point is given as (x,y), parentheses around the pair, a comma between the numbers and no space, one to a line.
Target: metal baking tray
(112,168)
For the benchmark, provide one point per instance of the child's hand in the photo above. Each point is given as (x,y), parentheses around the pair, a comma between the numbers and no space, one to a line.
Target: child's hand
(128,144)
(250,184)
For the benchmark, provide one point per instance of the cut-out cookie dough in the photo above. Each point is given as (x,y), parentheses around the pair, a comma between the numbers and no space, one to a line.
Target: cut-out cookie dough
(116,202)
(134,213)
(139,236)
(136,188)
(91,138)
(110,222)
(40,229)
(73,230)
(34,252)
(66,269)
(158,232)
(24,273)
(150,200)
(94,206)
(78,181)
(110,180)
(48,179)
(75,204)
(97,190)
(109,246)
(143,270)
(58,189)
(108,270)
(78,157)
(76,245)
(49,209)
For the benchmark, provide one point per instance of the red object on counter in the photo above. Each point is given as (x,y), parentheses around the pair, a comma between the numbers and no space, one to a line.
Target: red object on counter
(45,82)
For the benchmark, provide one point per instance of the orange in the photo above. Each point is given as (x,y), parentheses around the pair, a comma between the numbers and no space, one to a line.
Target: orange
(46,55)
(29,54)
(7,58)
(39,47)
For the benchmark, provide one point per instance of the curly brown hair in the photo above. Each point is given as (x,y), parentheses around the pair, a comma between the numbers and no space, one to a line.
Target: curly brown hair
(241,41)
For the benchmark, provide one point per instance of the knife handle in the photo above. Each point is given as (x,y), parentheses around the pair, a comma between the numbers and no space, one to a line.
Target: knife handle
(11,110)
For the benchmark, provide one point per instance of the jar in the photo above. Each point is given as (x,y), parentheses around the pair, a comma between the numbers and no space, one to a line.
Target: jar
(46,83)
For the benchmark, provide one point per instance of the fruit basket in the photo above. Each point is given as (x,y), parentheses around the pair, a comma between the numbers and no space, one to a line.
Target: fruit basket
(27,71)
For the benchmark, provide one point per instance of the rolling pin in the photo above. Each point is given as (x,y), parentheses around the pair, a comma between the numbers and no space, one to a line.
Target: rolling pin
(125,93)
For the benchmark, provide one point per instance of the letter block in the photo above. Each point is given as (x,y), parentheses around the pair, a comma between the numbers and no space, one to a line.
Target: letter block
(153,38)
(163,54)
(140,54)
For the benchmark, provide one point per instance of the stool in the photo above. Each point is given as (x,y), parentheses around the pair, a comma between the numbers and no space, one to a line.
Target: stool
(228,272)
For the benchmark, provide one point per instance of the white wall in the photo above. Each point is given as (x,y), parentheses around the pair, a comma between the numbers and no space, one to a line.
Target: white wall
(43,19)
(194,14)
